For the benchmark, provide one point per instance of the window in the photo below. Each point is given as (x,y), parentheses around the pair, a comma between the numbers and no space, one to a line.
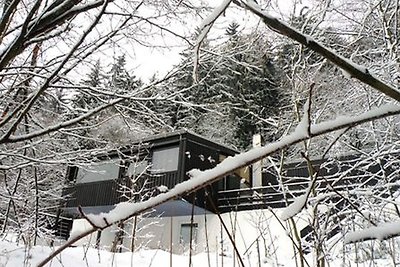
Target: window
(185,233)
(72,172)
(165,160)
(137,168)
(103,171)
(243,173)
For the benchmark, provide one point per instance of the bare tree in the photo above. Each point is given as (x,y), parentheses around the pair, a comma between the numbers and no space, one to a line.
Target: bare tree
(35,70)
(45,49)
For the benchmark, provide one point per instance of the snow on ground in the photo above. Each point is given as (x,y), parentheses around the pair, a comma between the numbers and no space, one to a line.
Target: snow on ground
(248,225)
(12,255)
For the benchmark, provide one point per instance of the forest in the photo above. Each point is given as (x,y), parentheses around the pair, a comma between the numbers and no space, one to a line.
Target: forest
(316,79)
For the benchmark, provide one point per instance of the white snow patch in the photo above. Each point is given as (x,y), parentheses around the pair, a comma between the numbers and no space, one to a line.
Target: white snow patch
(215,14)
(303,126)
(341,120)
(294,208)
(380,232)
(346,74)
(162,188)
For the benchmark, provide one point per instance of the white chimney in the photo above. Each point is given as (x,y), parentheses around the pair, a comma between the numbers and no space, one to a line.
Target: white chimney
(256,173)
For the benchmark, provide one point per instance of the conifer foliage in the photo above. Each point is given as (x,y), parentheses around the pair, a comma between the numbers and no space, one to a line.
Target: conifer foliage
(239,92)
(102,87)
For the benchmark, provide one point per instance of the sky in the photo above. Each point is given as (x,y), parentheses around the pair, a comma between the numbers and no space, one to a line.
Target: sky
(148,61)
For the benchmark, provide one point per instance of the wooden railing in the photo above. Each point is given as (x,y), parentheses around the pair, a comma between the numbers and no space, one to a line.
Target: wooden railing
(59,225)
(279,196)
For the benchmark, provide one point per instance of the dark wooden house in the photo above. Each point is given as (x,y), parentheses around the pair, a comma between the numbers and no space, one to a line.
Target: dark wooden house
(148,167)
(158,163)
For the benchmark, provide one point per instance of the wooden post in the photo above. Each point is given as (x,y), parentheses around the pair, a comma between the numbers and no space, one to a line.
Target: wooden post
(256,172)
(171,241)
(258,253)
(222,247)
(133,234)
(118,237)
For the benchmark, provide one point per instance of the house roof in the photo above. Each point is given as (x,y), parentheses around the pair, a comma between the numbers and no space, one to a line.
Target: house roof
(170,138)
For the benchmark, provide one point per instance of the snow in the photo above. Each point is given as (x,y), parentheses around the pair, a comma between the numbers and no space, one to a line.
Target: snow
(215,14)
(162,188)
(247,228)
(294,208)
(12,255)
(380,232)
(249,225)
(302,128)
(341,120)
(346,74)
(205,27)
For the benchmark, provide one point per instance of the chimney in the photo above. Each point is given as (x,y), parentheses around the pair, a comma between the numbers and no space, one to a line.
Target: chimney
(257,166)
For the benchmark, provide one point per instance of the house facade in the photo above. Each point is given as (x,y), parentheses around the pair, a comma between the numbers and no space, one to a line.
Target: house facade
(195,221)
(146,168)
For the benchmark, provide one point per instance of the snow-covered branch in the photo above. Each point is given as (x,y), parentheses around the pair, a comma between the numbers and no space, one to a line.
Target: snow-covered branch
(205,27)
(200,179)
(354,70)
(380,232)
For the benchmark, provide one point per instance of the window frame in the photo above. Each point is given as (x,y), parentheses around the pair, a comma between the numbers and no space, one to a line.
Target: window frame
(166,151)
(194,227)
(93,169)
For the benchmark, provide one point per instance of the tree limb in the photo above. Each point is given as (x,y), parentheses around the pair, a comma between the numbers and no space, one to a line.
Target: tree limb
(359,72)
(200,179)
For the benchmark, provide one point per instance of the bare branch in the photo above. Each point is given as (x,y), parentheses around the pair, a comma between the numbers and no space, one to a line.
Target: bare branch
(200,179)
(359,72)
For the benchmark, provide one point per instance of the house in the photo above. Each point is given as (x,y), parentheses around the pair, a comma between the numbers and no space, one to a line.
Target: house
(152,165)
(144,169)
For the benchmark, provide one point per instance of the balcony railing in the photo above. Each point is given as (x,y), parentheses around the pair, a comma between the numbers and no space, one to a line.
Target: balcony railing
(273,196)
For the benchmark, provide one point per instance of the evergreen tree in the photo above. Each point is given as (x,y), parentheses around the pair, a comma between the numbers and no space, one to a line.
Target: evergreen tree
(238,92)
(95,77)
(120,79)
(124,119)
(232,31)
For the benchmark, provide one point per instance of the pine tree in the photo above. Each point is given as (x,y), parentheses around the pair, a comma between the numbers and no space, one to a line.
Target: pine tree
(237,93)
(85,101)
(232,31)
(94,78)
(120,80)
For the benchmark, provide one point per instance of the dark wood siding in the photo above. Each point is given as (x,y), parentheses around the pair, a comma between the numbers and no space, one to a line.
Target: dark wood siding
(195,152)
(92,194)
(148,185)
(111,192)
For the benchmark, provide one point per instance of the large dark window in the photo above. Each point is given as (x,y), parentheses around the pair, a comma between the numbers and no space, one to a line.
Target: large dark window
(72,172)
